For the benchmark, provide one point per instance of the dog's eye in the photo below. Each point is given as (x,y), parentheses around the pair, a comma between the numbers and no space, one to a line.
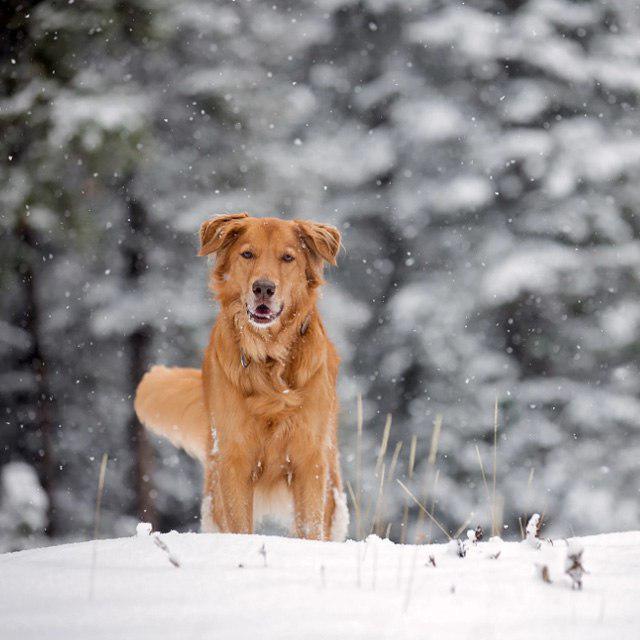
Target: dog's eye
(287,257)
(247,255)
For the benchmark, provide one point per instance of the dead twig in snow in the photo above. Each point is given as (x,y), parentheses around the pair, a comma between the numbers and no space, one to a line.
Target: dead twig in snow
(170,556)
(573,564)
(543,573)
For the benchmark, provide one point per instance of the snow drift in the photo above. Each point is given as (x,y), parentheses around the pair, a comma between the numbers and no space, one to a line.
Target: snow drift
(239,586)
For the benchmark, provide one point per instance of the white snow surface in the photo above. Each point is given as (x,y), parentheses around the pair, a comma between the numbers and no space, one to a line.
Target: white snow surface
(241,586)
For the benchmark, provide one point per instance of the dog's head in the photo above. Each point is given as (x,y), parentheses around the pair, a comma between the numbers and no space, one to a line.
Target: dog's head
(267,268)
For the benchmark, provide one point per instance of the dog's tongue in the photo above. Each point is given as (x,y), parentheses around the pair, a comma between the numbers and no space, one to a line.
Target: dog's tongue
(262,310)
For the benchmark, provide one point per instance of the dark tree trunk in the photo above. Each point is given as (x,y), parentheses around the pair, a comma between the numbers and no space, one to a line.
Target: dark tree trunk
(138,344)
(35,361)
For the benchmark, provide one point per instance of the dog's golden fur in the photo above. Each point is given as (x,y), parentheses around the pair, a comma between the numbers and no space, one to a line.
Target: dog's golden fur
(262,415)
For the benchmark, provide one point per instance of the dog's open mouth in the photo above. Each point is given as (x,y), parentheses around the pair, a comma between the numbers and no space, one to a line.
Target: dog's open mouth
(263,315)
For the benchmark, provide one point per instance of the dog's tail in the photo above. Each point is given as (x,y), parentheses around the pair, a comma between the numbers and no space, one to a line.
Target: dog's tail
(170,402)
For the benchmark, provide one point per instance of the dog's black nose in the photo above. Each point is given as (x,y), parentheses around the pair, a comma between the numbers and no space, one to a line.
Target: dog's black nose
(264,288)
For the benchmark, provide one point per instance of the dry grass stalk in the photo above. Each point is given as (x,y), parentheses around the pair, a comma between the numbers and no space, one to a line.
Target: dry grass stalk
(390,476)
(526,515)
(394,462)
(96,526)
(356,507)
(384,444)
(358,494)
(435,440)
(433,503)
(530,481)
(423,509)
(376,511)
(463,526)
(431,460)
(405,514)
(101,477)
(381,454)
(412,454)
(486,487)
(499,509)
(543,514)
(521,528)
(495,465)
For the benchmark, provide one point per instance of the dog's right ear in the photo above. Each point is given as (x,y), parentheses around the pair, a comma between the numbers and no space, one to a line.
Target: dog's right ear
(219,232)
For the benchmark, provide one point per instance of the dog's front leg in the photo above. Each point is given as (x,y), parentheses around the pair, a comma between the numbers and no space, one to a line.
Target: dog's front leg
(309,486)
(236,489)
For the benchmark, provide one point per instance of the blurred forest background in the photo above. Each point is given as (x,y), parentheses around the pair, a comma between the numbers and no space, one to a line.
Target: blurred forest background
(482,161)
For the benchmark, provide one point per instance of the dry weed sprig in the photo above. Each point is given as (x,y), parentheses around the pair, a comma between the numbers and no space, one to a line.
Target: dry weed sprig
(358,495)
(463,526)
(389,478)
(356,506)
(423,509)
(376,511)
(394,462)
(433,502)
(486,487)
(431,460)
(495,465)
(529,495)
(96,526)
(499,511)
(530,481)
(381,454)
(384,444)
(405,514)
(435,440)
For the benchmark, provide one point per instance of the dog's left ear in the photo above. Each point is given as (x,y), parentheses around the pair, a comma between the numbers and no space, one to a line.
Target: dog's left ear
(219,232)
(322,240)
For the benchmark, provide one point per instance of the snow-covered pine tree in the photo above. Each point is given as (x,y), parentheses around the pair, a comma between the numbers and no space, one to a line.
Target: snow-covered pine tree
(479,158)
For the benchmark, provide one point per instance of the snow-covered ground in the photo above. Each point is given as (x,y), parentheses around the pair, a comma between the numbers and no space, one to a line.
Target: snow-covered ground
(235,586)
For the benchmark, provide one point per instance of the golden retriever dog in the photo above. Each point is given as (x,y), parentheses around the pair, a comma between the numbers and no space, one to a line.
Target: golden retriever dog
(261,415)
